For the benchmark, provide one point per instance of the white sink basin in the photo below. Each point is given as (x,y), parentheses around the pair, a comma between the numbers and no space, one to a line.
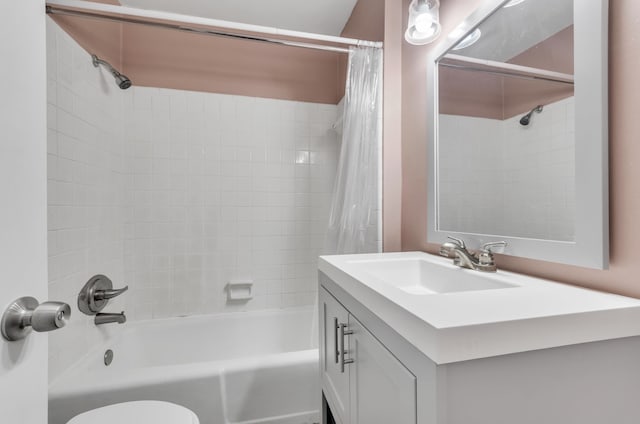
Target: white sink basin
(421,277)
(452,314)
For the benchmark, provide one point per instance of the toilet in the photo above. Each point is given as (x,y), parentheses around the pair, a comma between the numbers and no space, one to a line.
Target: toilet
(146,411)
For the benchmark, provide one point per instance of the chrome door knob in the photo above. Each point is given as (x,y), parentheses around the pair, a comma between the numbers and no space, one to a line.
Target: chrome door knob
(25,314)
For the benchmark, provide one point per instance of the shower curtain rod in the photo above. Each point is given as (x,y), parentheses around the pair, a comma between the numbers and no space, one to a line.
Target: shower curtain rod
(506,69)
(131,15)
(506,73)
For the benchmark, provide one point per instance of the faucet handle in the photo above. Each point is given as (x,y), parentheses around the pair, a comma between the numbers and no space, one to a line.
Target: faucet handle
(109,293)
(458,241)
(448,247)
(486,248)
(96,293)
(485,257)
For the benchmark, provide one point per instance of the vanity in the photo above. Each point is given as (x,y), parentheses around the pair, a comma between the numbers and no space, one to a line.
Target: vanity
(517,145)
(410,338)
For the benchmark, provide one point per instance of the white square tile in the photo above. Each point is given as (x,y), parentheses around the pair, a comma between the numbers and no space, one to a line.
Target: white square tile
(161,185)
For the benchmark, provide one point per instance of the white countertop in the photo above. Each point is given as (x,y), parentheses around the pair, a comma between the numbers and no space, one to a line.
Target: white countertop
(458,326)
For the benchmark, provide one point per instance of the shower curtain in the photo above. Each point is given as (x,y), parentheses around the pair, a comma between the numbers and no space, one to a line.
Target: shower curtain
(354,222)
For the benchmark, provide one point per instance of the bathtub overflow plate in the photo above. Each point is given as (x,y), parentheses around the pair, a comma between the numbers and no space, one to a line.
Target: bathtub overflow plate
(108,357)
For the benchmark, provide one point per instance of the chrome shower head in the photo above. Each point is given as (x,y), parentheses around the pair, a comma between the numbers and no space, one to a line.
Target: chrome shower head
(122,80)
(526,119)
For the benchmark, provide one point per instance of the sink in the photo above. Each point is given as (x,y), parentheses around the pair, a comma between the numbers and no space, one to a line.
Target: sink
(421,277)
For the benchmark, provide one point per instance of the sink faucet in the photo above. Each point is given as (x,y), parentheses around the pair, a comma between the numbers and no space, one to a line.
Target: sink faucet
(107,318)
(480,261)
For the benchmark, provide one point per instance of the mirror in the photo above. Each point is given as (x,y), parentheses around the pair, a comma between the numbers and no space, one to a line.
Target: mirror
(518,143)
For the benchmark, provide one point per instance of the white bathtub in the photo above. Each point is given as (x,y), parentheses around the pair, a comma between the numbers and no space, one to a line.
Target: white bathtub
(249,367)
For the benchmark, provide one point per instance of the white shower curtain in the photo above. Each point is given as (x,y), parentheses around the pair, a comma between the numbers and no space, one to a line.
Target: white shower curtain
(354,222)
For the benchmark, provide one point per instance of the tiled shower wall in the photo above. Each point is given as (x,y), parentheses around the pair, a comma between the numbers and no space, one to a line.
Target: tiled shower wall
(177,193)
(222,188)
(499,177)
(85,181)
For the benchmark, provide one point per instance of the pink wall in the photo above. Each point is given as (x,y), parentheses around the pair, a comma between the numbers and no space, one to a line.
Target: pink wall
(550,52)
(492,96)
(161,58)
(366,23)
(170,59)
(393,160)
(100,37)
(469,93)
(624,150)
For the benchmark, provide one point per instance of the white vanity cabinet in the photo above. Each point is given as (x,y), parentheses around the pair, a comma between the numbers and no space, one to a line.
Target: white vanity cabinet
(335,382)
(578,363)
(372,386)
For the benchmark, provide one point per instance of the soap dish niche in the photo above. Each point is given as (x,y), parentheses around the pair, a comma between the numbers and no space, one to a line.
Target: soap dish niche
(239,290)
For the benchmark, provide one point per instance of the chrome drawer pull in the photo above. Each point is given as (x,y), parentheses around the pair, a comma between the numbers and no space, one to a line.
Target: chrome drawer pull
(335,339)
(344,332)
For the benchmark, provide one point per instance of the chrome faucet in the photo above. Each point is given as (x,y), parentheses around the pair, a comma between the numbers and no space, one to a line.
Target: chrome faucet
(482,260)
(95,295)
(107,318)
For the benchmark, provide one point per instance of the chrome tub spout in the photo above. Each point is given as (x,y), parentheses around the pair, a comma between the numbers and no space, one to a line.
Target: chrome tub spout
(107,318)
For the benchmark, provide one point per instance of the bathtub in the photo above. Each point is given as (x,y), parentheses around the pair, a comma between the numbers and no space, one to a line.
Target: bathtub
(247,367)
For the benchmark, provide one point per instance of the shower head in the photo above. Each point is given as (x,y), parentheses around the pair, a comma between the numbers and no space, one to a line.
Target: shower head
(526,119)
(122,80)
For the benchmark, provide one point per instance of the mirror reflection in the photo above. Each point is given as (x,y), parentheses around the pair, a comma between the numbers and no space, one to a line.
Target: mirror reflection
(505,144)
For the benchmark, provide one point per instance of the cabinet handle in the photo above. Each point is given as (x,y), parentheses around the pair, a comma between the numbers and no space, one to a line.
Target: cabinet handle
(336,326)
(344,332)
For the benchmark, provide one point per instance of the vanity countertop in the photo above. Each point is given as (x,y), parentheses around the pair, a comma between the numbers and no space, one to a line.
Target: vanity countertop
(525,314)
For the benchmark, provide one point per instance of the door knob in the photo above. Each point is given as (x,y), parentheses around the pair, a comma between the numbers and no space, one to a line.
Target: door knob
(26,314)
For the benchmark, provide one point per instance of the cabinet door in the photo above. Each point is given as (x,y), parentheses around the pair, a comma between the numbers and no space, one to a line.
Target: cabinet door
(335,383)
(382,391)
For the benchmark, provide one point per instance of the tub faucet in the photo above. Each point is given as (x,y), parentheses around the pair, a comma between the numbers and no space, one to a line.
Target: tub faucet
(482,260)
(107,318)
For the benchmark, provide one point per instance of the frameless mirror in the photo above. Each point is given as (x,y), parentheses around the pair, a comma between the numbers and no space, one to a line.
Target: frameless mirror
(518,143)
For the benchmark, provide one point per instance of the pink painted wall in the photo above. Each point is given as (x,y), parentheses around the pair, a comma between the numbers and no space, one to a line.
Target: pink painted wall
(485,95)
(469,93)
(365,23)
(624,63)
(393,158)
(99,37)
(170,59)
(522,95)
(162,58)
(551,53)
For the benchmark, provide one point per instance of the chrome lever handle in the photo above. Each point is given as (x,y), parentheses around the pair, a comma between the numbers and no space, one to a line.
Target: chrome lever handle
(344,332)
(488,246)
(458,241)
(96,293)
(109,294)
(485,257)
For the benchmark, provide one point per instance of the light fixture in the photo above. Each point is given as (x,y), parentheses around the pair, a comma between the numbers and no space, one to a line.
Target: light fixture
(469,39)
(424,22)
(513,3)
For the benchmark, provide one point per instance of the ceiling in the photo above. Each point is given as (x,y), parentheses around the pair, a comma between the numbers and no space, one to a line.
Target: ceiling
(320,16)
